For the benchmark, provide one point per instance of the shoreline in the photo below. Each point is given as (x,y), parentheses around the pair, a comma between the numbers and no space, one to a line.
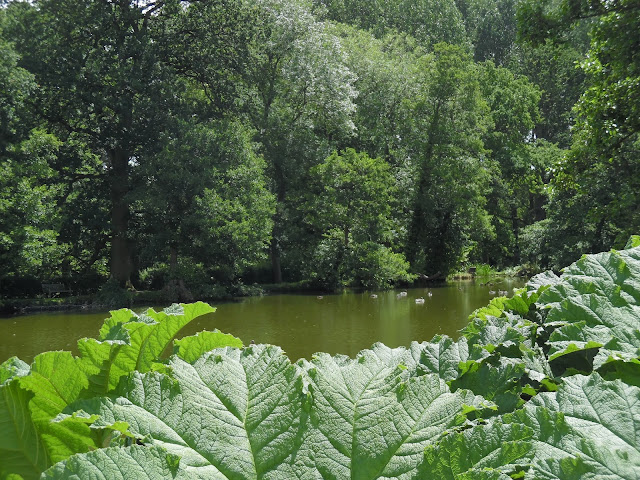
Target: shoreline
(25,306)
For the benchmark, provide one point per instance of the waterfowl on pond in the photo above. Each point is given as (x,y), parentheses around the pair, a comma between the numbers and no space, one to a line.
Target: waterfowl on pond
(373,295)
(429,294)
(420,300)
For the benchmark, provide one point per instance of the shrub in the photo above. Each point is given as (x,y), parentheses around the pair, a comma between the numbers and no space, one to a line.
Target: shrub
(111,295)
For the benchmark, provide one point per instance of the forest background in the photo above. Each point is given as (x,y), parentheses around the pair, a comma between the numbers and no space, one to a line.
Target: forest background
(196,148)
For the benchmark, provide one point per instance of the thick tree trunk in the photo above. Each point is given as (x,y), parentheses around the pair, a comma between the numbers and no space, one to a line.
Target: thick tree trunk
(121,266)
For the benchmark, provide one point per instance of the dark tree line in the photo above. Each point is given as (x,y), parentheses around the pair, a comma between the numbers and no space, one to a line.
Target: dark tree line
(197,145)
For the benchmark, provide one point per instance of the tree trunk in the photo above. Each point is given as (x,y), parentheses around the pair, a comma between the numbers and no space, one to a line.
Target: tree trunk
(418,227)
(276,268)
(173,261)
(121,265)
(516,235)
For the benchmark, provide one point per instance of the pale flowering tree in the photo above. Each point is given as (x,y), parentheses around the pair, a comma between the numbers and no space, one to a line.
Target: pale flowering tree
(301,99)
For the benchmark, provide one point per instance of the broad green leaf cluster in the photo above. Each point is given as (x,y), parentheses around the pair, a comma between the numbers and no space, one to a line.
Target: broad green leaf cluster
(32,396)
(540,385)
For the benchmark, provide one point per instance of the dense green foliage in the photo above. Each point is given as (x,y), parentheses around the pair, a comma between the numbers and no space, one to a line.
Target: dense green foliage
(351,203)
(186,146)
(594,202)
(540,385)
(193,146)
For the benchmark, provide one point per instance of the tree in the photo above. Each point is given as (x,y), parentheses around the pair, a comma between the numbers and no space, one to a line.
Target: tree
(204,197)
(491,27)
(107,80)
(514,196)
(595,187)
(428,21)
(556,231)
(385,78)
(447,121)
(300,102)
(553,69)
(608,110)
(29,217)
(351,207)
(16,84)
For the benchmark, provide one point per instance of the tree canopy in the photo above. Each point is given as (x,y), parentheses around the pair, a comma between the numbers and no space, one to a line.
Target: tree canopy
(338,142)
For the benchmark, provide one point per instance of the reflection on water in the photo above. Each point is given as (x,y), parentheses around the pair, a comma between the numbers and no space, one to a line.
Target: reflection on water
(300,324)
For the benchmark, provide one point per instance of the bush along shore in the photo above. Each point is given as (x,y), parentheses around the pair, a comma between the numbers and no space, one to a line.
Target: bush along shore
(544,384)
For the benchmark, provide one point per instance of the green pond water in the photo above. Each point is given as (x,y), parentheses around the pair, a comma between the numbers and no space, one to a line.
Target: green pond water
(300,324)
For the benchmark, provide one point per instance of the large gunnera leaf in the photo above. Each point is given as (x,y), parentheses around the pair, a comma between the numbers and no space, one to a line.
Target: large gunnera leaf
(32,396)
(56,380)
(11,368)
(21,450)
(588,429)
(134,462)
(604,420)
(368,420)
(444,356)
(596,305)
(232,414)
(192,347)
(129,341)
(252,414)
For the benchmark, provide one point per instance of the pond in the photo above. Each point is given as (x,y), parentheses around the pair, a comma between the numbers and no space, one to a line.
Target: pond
(300,324)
